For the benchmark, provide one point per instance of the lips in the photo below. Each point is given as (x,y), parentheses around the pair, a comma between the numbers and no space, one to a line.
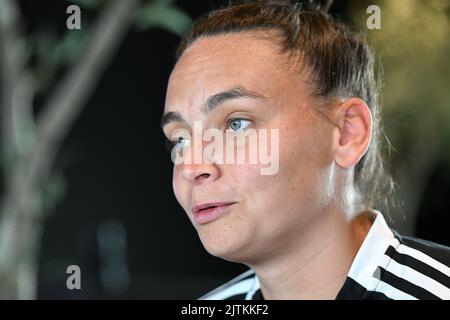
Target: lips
(209,211)
(199,207)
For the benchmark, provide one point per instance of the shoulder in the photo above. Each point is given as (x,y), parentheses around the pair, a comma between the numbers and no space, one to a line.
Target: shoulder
(392,266)
(420,267)
(241,287)
(436,251)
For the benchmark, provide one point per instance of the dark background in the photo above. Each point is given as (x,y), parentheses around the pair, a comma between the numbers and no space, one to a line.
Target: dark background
(118,179)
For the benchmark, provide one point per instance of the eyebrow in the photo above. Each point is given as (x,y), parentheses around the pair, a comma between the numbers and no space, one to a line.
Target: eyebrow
(213,102)
(171,117)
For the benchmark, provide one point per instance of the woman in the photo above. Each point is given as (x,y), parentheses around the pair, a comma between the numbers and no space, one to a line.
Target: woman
(311,228)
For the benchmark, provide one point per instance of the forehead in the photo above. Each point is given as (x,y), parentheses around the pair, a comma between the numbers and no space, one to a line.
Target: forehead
(216,63)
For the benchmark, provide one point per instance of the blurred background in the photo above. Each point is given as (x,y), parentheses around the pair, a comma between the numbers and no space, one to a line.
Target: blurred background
(84,176)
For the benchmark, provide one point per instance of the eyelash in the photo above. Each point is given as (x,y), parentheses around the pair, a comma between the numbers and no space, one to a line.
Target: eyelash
(170,144)
(233,119)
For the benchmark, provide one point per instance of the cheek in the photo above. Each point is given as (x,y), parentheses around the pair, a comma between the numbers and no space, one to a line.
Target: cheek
(304,143)
(300,155)
(179,188)
(304,161)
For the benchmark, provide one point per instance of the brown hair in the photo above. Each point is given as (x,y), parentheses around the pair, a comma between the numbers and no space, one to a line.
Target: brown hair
(339,62)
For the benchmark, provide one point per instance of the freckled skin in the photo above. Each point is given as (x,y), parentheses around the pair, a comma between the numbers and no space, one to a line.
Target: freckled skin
(272,211)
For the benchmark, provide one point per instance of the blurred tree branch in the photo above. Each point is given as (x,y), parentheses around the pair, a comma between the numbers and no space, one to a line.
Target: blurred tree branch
(29,147)
(21,219)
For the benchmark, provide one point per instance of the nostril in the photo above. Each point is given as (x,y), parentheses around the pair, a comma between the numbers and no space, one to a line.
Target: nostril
(196,173)
(202,176)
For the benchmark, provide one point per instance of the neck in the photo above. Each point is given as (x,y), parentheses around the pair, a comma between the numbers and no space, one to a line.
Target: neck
(316,263)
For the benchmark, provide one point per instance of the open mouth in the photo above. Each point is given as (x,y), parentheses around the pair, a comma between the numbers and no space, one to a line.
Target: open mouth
(208,212)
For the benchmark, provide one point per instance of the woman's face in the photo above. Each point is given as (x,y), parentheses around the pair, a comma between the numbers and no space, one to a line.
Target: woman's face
(267,211)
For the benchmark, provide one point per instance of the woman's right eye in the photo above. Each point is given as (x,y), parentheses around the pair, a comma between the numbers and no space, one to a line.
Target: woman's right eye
(179,142)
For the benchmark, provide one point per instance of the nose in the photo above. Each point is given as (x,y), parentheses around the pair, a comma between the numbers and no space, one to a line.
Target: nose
(199,173)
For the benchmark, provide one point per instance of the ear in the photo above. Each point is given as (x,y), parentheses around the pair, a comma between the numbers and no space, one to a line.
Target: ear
(353,134)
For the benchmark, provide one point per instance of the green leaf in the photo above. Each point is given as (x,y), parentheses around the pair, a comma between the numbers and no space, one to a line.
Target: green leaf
(66,50)
(161,14)
(53,192)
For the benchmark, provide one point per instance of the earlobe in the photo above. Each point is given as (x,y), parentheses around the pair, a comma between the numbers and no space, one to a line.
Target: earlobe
(352,138)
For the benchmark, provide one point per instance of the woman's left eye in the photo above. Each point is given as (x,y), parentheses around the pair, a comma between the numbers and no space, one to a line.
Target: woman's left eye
(238,124)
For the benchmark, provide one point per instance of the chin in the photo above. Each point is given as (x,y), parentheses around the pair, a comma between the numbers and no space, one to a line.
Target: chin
(225,246)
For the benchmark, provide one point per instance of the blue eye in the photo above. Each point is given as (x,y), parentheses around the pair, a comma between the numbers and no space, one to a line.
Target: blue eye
(238,124)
